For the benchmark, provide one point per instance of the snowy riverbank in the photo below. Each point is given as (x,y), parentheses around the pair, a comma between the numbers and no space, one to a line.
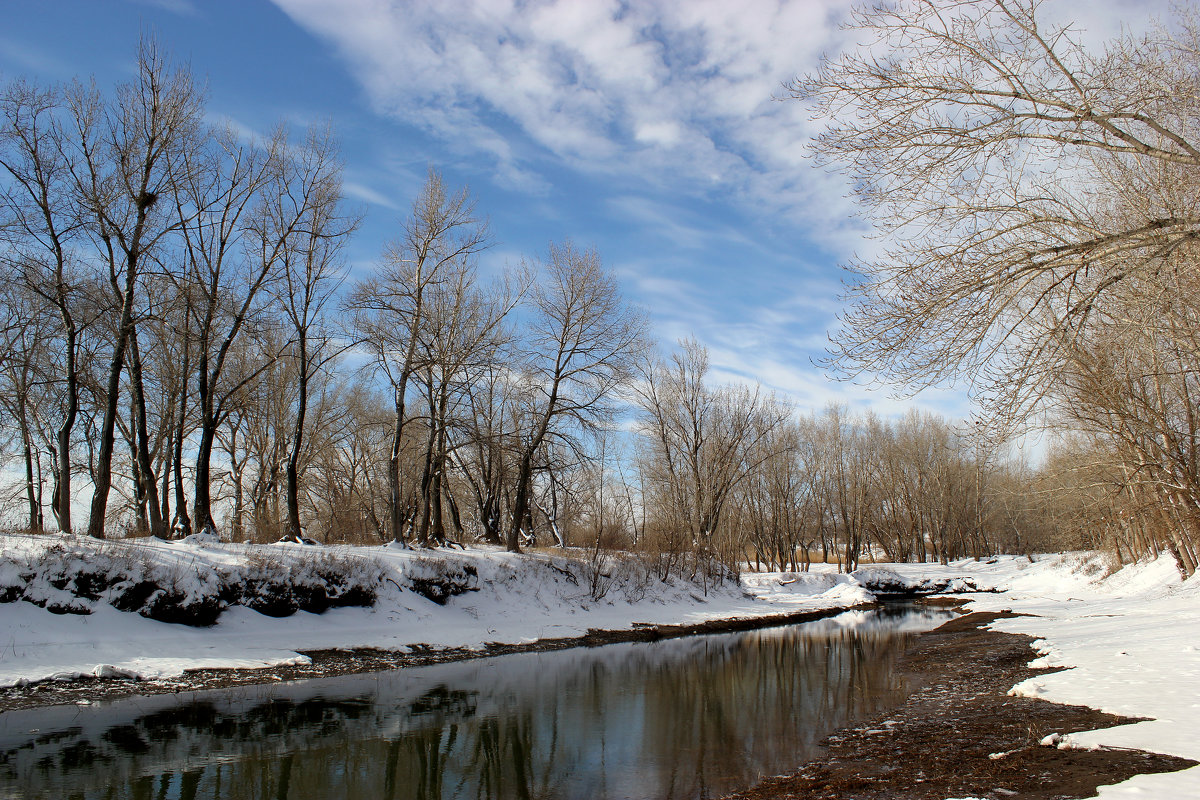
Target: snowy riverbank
(1131,639)
(1131,642)
(423,599)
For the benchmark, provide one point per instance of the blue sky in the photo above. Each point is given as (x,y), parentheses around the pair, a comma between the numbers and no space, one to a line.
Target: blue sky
(649,130)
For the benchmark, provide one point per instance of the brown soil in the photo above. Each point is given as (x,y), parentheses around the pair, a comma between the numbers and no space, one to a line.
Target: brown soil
(940,742)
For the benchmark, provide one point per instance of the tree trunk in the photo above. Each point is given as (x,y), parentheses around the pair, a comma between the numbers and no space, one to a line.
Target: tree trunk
(148,486)
(202,508)
(141,520)
(182,521)
(395,512)
(293,480)
(35,506)
(164,493)
(520,502)
(103,476)
(61,500)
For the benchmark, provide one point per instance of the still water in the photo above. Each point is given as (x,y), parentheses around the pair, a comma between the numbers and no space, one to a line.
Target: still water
(682,718)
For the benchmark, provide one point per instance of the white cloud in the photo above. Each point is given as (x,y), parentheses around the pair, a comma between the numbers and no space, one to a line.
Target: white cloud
(679,94)
(367,194)
(683,230)
(673,98)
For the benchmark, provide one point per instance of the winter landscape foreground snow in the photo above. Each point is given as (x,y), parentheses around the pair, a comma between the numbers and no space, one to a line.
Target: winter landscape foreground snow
(1130,639)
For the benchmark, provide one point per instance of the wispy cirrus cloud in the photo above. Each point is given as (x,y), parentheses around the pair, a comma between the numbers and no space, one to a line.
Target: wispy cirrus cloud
(182,7)
(35,60)
(365,193)
(655,103)
(680,95)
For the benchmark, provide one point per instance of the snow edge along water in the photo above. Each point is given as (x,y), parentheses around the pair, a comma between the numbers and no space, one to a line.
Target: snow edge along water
(61,601)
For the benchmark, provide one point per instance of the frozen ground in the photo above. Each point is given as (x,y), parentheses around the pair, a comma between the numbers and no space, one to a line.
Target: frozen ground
(510,599)
(1131,639)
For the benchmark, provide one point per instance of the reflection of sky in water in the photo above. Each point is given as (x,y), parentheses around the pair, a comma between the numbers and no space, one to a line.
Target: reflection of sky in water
(682,718)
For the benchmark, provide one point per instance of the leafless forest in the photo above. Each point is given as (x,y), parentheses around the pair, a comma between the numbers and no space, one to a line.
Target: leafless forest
(181,333)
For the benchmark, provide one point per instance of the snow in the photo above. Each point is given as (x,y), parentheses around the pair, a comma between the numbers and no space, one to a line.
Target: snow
(516,599)
(1130,639)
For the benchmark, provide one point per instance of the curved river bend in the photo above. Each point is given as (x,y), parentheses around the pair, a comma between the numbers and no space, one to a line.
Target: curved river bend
(682,718)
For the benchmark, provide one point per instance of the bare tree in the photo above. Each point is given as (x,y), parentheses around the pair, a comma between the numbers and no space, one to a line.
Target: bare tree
(23,363)
(485,459)
(312,272)
(227,252)
(244,211)
(581,346)
(706,441)
(42,224)
(1038,202)
(126,153)
(463,334)
(441,232)
(984,144)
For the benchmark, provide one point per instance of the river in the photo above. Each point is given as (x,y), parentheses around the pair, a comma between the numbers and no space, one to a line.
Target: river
(684,718)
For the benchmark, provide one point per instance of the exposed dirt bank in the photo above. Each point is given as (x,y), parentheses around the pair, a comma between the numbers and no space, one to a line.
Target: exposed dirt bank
(328,663)
(946,740)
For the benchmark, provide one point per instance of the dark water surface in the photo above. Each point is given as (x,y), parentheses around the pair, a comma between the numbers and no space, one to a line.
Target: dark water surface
(682,718)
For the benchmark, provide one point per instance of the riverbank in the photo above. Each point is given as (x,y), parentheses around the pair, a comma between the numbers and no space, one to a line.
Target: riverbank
(962,734)
(145,610)
(85,690)
(1125,643)
(1072,641)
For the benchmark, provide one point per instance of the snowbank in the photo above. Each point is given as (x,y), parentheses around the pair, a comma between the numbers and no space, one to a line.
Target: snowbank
(74,607)
(1131,639)
(183,584)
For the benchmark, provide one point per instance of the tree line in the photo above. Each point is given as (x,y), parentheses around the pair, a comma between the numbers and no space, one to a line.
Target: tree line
(181,336)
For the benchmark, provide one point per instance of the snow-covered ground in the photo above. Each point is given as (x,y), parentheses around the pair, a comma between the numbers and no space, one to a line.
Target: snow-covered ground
(512,599)
(1131,639)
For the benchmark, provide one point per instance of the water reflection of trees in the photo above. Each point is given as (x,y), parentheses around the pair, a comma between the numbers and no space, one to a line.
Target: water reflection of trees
(682,719)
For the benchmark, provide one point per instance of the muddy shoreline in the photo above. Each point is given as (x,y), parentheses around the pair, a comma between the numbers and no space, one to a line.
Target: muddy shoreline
(960,734)
(331,663)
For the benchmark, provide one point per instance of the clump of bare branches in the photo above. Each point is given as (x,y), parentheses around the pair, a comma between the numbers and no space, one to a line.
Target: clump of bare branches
(1037,206)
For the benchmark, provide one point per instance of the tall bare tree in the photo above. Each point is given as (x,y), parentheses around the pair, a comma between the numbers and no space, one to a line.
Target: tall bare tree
(581,347)
(983,143)
(390,308)
(23,366)
(127,151)
(42,227)
(1038,201)
(312,272)
(462,336)
(228,251)
(705,440)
